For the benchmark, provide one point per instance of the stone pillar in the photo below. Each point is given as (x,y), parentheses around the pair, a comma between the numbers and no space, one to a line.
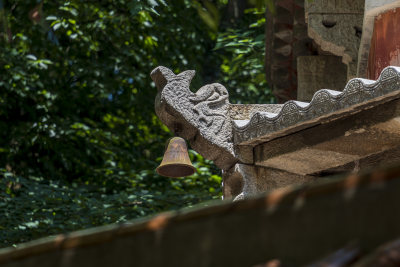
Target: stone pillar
(286,39)
(336,26)
(232,183)
(319,72)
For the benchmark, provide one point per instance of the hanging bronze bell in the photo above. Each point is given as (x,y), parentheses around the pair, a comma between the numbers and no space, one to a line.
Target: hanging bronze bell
(176,161)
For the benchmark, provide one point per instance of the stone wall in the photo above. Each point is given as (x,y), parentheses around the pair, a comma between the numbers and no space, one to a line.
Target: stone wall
(319,72)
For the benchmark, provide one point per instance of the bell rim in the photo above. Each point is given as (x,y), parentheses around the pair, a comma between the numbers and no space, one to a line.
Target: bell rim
(176,164)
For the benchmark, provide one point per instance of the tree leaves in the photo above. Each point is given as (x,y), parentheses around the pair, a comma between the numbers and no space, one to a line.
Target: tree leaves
(79,138)
(243,59)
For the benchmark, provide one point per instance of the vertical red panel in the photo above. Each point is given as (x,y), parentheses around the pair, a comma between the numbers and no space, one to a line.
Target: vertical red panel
(385,43)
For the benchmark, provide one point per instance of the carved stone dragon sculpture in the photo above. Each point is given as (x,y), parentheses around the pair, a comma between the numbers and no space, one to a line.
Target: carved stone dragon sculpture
(201,118)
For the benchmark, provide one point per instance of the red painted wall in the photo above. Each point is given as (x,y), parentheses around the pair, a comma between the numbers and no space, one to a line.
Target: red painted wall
(385,43)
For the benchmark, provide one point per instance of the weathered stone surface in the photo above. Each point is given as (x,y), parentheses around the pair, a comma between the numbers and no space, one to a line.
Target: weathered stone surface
(256,179)
(336,27)
(324,102)
(334,6)
(202,117)
(245,154)
(245,111)
(232,182)
(353,143)
(317,72)
(246,180)
(249,177)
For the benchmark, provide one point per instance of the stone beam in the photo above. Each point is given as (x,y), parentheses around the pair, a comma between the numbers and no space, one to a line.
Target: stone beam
(359,141)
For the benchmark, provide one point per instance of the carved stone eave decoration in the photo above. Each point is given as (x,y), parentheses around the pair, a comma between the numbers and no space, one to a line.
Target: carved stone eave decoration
(229,134)
(201,118)
(323,102)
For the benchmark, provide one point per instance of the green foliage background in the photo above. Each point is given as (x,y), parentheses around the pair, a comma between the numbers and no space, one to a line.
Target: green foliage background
(79,138)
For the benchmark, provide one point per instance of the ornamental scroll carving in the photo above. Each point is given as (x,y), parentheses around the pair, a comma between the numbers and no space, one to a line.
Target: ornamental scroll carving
(324,102)
(201,118)
(210,106)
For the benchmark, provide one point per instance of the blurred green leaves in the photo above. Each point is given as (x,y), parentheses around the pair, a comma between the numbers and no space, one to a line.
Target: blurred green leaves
(34,207)
(79,138)
(209,13)
(242,54)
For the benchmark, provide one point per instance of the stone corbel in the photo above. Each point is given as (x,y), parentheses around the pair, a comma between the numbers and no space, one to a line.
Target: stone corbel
(201,118)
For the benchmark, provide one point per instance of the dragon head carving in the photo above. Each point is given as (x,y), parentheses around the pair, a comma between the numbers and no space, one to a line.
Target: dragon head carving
(201,118)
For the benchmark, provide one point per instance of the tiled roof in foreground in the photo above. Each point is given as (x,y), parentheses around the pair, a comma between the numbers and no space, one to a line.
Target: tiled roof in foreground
(296,225)
(357,91)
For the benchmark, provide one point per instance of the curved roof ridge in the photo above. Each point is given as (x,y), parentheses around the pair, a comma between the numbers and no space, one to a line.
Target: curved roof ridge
(324,101)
